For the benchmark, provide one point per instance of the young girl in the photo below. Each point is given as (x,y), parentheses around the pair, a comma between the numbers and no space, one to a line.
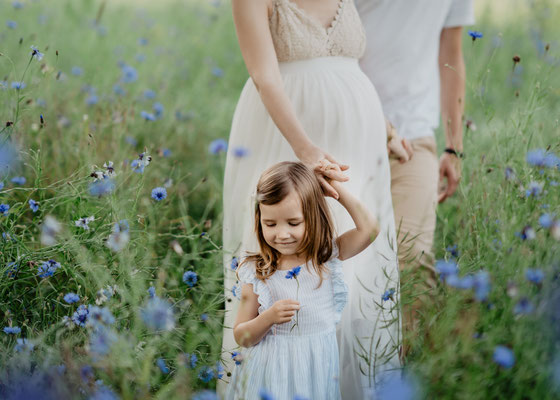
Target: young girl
(293,291)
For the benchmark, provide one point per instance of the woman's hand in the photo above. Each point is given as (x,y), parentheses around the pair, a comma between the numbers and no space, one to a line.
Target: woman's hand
(282,311)
(325,166)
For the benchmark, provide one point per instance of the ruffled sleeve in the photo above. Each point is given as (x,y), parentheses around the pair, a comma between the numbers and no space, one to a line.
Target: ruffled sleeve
(340,289)
(247,275)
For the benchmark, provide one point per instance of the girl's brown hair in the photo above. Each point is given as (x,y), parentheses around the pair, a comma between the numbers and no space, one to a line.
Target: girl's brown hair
(274,186)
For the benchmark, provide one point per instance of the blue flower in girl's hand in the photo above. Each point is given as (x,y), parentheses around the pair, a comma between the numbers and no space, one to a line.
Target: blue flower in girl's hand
(294,272)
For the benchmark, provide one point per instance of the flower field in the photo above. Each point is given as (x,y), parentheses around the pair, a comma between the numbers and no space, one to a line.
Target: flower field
(114,121)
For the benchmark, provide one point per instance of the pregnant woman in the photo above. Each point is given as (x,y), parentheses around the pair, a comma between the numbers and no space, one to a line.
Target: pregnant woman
(307,99)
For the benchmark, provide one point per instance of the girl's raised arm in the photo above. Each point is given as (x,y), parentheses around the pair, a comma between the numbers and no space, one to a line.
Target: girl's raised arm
(251,19)
(355,240)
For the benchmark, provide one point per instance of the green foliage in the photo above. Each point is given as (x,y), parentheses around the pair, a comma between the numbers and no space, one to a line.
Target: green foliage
(193,64)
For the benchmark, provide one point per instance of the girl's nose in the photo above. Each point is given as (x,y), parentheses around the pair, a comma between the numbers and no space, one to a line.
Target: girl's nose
(284,234)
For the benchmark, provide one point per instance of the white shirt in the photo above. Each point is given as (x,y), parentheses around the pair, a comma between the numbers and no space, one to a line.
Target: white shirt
(401,57)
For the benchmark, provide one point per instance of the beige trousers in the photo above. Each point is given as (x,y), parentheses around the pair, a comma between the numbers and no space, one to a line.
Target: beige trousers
(414,190)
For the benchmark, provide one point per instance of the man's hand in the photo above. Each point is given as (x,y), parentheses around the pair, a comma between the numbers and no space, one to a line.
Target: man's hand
(400,149)
(450,169)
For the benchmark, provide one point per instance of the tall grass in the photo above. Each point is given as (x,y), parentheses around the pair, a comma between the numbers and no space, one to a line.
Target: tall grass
(187,54)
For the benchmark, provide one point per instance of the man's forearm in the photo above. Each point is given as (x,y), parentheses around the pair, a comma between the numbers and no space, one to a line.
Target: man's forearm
(452,83)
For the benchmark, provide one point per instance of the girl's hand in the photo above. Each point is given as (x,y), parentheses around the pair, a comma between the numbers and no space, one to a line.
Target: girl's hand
(282,311)
(326,168)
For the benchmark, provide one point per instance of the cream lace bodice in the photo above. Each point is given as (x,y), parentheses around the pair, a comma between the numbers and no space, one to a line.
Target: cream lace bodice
(299,36)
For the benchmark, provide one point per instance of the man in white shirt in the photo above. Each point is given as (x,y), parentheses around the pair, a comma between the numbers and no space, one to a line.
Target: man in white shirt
(414,58)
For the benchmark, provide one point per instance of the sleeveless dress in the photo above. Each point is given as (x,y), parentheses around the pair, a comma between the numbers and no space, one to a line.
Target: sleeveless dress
(294,361)
(341,113)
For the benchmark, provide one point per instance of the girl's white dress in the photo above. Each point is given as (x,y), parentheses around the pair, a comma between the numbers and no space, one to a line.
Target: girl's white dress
(341,113)
(294,361)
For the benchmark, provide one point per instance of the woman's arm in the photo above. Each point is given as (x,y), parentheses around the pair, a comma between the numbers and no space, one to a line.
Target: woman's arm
(257,48)
(250,326)
(355,240)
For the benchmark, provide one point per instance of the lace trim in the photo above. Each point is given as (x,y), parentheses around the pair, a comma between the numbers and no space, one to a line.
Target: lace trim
(247,275)
(314,20)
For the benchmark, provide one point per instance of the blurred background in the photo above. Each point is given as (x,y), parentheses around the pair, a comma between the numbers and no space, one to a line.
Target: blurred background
(114,119)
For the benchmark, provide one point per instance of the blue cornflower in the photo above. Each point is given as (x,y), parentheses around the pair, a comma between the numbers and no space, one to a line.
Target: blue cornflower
(190,360)
(77,71)
(509,173)
(35,53)
(140,57)
(234,263)
(142,41)
(4,209)
(129,74)
(162,366)
(205,395)
(18,85)
(1,185)
(546,220)
(121,226)
(535,189)
(293,273)
(217,72)
(453,250)
(152,291)
(265,395)
(504,357)
(11,269)
(12,330)
(118,90)
(204,317)
(190,278)
(17,4)
(457,282)
(528,233)
(102,187)
(158,109)
(481,285)
(237,357)
(48,268)
(397,386)
(23,345)
(446,268)
(148,116)
(81,315)
(534,275)
(100,316)
(92,100)
(149,94)
(18,180)
(206,374)
(475,35)
(71,298)
(33,205)
(542,158)
(158,315)
(217,146)
(159,193)
(388,295)
(240,152)
(523,306)
(11,24)
(101,340)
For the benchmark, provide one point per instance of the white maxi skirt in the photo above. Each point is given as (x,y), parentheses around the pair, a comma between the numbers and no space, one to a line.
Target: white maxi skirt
(341,113)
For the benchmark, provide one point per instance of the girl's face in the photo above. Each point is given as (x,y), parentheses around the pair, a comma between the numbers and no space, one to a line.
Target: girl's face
(283,225)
